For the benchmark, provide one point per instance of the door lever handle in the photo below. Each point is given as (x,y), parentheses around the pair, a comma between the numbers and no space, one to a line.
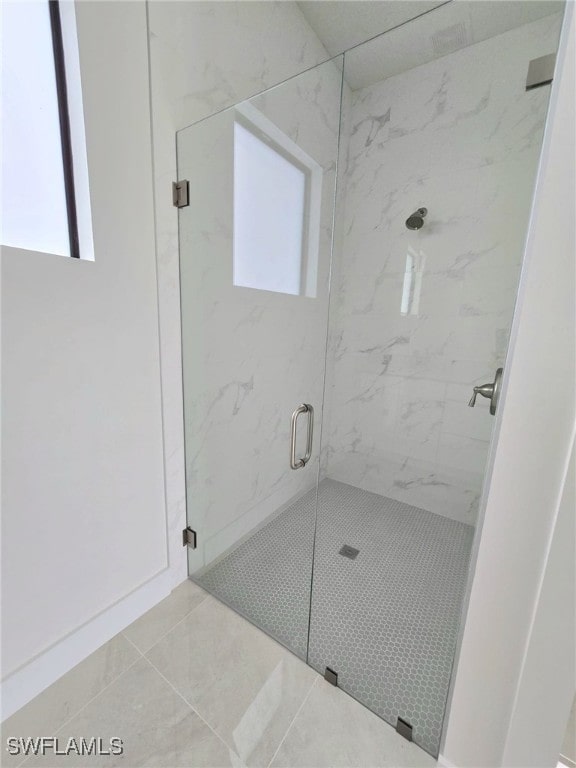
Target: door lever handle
(491,391)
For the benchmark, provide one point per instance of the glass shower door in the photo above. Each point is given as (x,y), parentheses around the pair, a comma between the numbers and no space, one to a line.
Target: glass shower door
(440,146)
(255,250)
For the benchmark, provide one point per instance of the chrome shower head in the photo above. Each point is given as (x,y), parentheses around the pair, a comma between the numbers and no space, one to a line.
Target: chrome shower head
(416,220)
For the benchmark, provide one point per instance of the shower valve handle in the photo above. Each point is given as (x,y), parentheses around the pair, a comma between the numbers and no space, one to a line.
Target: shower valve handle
(491,391)
(486,390)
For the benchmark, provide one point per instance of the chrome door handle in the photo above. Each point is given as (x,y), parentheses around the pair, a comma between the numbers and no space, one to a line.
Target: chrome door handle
(491,391)
(294,462)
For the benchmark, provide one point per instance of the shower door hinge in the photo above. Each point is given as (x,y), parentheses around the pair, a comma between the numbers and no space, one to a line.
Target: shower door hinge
(540,71)
(180,196)
(404,728)
(330,676)
(189,538)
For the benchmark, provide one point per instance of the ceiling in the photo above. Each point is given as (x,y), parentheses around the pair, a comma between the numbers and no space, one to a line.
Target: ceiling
(343,24)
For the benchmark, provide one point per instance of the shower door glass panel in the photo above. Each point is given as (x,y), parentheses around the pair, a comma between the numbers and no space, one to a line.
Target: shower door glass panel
(436,116)
(255,250)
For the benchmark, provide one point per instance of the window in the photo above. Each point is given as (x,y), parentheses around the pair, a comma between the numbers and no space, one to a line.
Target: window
(276,208)
(45,199)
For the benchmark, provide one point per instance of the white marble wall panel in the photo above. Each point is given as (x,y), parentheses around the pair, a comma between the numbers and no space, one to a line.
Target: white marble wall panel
(211,55)
(249,356)
(204,56)
(462,137)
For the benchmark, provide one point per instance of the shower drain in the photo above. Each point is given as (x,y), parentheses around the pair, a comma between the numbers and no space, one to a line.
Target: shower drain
(349,552)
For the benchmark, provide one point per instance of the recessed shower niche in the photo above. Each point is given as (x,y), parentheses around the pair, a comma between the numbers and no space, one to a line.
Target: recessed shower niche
(349,265)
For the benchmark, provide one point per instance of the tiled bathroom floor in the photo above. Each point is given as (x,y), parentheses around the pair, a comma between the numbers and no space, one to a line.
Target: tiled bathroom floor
(191,683)
(386,621)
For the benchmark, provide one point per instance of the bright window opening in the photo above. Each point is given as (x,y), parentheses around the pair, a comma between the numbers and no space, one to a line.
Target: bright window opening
(276,209)
(45,198)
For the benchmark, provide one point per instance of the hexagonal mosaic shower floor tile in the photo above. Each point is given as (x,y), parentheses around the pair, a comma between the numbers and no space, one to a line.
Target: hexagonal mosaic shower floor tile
(385,619)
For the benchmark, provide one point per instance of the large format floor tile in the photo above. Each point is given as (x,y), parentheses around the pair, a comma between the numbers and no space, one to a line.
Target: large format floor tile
(156,726)
(243,683)
(51,709)
(213,691)
(334,731)
(149,628)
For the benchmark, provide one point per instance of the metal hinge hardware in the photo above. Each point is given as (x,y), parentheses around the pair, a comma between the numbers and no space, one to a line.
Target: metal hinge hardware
(404,728)
(180,193)
(189,538)
(330,676)
(541,71)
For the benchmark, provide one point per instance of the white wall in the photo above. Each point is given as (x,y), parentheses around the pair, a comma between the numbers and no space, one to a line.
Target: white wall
(568,751)
(83,492)
(461,136)
(537,726)
(204,57)
(501,689)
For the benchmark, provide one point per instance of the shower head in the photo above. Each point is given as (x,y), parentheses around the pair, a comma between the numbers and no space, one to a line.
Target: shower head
(416,220)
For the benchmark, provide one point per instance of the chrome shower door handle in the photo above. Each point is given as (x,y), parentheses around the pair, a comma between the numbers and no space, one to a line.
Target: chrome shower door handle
(294,462)
(491,391)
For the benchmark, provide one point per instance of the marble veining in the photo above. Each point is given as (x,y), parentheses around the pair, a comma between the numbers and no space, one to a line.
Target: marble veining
(259,353)
(418,318)
(204,57)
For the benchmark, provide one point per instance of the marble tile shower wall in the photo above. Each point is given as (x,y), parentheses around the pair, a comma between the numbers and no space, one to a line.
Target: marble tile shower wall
(462,137)
(260,354)
(204,56)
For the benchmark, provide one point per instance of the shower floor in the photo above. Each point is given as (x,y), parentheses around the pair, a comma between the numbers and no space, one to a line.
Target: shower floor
(386,621)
